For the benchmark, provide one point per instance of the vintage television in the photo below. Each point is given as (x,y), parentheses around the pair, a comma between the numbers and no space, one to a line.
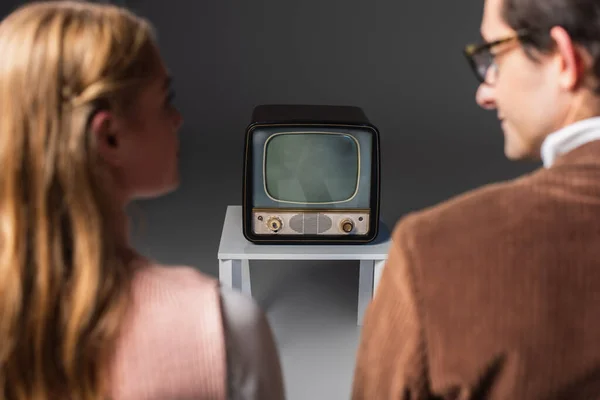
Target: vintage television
(311,176)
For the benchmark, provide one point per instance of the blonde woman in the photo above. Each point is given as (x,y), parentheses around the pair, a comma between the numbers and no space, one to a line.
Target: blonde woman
(87,125)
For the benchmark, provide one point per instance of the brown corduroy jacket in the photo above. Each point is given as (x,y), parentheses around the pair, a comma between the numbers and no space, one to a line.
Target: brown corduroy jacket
(494,294)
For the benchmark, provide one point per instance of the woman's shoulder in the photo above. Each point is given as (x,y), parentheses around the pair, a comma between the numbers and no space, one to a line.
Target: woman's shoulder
(186,285)
(180,295)
(174,285)
(254,370)
(173,334)
(153,280)
(182,288)
(165,275)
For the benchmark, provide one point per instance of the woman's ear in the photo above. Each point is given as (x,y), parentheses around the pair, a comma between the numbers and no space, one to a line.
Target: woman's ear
(106,132)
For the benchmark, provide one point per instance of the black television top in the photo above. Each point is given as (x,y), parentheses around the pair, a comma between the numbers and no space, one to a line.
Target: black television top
(300,113)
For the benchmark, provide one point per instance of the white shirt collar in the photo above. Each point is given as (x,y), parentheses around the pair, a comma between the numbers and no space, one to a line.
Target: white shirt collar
(569,138)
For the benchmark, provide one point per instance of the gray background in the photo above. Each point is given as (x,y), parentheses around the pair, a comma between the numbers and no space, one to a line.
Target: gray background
(400,61)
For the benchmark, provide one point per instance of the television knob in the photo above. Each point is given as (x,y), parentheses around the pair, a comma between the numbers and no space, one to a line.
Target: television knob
(347,225)
(274,224)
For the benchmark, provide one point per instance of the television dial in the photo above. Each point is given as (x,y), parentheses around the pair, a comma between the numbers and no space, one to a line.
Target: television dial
(274,224)
(347,225)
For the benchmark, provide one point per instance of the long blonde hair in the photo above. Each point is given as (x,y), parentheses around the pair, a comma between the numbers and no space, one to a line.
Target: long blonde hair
(63,287)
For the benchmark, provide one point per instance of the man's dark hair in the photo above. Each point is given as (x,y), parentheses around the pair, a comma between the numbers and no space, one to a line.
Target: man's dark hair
(580,18)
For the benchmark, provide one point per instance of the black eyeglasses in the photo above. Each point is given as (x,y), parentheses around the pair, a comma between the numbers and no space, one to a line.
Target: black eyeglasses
(481,59)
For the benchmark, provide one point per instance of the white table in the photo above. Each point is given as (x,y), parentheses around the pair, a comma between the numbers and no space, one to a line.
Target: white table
(235,253)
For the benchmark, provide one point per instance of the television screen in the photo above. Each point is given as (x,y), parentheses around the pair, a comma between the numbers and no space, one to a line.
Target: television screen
(311,167)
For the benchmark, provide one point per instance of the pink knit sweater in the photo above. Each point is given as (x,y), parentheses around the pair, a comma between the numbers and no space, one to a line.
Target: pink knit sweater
(187,338)
(172,346)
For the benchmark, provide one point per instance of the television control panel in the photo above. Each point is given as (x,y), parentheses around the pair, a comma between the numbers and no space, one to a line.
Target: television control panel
(309,222)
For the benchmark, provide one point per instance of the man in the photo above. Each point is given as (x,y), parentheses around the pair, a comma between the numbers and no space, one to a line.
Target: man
(495,294)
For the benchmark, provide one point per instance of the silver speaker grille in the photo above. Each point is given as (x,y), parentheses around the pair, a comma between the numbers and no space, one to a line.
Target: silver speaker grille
(310,224)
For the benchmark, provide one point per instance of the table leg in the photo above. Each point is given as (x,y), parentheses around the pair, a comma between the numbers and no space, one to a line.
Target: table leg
(246,284)
(226,273)
(377,274)
(365,287)
(235,274)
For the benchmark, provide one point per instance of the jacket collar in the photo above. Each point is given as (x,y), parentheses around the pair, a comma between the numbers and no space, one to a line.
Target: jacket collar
(569,138)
